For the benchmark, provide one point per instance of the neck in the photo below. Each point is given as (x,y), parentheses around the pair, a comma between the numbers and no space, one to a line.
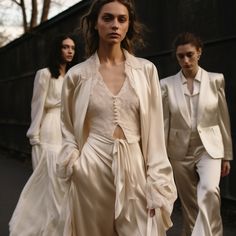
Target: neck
(190,74)
(62,69)
(110,54)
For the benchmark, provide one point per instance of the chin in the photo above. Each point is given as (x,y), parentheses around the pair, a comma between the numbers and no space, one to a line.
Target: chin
(188,69)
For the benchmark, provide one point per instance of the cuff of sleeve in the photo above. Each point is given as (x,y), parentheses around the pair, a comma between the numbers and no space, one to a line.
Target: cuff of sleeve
(64,168)
(161,196)
(228,156)
(34,141)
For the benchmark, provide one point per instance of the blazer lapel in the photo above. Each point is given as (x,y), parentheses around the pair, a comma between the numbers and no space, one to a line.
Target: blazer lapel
(204,93)
(180,99)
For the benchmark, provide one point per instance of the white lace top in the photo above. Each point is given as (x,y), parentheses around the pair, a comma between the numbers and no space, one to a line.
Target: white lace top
(107,111)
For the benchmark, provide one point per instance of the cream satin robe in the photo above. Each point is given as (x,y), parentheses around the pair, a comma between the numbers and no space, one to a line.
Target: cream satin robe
(197,174)
(113,182)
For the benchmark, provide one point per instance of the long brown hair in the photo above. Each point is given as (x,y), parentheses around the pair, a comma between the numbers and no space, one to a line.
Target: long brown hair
(88,21)
(54,57)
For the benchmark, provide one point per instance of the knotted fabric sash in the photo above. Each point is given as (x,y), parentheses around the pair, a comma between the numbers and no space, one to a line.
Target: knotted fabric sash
(122,170)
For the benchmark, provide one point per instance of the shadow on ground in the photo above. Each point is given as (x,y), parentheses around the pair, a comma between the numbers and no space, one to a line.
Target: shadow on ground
(15,171)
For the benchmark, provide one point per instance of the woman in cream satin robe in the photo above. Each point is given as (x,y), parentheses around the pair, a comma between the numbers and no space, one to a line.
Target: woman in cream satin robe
(113,156)
(38,208)
(198,137)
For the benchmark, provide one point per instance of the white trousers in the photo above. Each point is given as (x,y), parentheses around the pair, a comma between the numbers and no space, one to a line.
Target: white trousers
(106,194)
(197,180)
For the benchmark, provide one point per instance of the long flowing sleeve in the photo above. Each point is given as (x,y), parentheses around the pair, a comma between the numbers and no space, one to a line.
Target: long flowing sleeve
(224,120)
(161,190)
(70,149)
(37,104)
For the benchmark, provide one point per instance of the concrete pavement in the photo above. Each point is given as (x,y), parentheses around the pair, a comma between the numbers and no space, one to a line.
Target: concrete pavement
(14,172)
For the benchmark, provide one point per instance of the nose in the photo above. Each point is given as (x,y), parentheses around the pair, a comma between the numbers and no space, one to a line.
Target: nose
(115,24)
(70,50)
(185,59)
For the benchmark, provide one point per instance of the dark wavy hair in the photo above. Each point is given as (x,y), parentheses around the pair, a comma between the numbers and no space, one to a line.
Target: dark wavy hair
(133,37)
(186,38)
(55,59)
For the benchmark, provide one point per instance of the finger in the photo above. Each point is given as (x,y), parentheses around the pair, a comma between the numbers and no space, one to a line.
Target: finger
(225,171)
(152,212)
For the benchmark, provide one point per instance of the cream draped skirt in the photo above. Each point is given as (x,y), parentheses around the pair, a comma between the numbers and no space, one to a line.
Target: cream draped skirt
(38,209)
(106,193)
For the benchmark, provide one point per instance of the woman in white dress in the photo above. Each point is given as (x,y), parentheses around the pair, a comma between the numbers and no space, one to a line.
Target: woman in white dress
(113,157)
(38,207)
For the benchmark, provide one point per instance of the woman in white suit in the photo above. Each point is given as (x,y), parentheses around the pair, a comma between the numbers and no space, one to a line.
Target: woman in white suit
(198,138)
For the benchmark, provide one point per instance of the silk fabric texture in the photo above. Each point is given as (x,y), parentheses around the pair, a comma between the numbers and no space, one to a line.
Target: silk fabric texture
(159,187)
(196,149)
(213,123)
(37,211)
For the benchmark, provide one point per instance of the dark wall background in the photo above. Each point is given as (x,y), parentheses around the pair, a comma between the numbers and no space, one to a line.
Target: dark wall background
(213,20)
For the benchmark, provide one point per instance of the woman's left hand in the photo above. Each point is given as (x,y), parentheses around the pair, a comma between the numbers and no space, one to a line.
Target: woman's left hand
(225,168)
(152,212)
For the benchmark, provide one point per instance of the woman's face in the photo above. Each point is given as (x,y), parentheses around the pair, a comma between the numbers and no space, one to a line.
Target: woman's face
(188,56)
(67,50)
(112,23)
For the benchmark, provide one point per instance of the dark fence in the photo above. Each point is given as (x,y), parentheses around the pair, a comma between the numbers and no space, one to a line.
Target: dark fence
(213,20)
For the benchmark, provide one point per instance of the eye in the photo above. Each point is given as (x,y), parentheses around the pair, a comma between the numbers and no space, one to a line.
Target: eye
(180,56)
(107,18)
(122,19)
(189,54)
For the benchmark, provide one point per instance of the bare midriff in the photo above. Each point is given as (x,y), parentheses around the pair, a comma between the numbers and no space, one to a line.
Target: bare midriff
(118,133)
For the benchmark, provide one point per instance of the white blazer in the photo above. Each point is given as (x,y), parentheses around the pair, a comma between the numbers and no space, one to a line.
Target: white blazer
(213,124)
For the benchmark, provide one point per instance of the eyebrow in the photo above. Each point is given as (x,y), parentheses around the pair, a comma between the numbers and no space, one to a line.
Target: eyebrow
(184,53)
(68,45)
(111,14)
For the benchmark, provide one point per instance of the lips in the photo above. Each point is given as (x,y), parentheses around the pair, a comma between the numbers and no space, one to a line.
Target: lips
(187,66)
(114,35)
(69,57)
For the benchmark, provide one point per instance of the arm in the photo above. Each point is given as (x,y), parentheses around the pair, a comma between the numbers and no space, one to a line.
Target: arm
(161,190)
(224,120)
(37,105)
(166,111)
(70,150)
(224,123)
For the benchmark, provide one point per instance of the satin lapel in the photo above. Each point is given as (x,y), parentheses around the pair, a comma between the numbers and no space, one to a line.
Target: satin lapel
(204,90)
(180,98)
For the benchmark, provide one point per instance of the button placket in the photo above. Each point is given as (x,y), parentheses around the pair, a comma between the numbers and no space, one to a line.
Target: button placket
(115,109)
